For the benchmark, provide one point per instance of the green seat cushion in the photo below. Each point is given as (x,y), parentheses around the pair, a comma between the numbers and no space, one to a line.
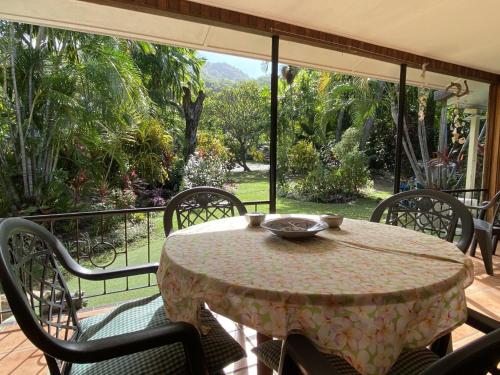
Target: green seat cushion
(411,362)
(219,347)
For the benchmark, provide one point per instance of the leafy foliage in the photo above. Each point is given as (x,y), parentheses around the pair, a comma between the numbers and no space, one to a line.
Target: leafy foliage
(303,158)
(79,111)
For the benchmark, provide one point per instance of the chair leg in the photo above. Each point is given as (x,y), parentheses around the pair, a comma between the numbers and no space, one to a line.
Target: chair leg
(289,367)
(473,246)
(54,367)
(486,245)
(442,345)
(495,244)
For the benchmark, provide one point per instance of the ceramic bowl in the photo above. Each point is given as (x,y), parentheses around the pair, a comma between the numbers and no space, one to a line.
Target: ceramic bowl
(294,227)
(254,219)
(333,220)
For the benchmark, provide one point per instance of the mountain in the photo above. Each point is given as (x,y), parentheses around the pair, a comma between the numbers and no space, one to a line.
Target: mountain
(220,71)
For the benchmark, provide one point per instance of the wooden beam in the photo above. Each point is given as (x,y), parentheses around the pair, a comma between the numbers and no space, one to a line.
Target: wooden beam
(491,171)
(210,15)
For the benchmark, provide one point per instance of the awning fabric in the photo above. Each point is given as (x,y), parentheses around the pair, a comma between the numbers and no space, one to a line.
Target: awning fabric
(449,30)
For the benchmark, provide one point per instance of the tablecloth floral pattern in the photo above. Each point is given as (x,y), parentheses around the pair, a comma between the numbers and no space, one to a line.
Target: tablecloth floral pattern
(365,292)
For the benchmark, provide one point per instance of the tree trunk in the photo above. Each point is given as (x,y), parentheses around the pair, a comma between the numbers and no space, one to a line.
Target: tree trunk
(244,165)
(243,157)
(192,112)
(408,147)
(367,130)
(368,125)
(19,120)
(338,130)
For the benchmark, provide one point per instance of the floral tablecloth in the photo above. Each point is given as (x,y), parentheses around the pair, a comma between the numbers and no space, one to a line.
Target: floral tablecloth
(365,292)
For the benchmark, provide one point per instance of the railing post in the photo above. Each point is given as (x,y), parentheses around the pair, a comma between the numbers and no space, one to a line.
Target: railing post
(399,136)
(273,139)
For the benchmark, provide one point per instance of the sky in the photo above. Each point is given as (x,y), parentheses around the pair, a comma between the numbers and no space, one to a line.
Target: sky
(249,66)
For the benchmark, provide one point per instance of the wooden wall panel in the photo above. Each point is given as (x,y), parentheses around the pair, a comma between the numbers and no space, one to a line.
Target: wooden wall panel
(491,172)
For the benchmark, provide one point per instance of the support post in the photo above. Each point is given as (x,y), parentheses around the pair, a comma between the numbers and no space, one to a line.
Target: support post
(470,179)
(273,138)
(399,136)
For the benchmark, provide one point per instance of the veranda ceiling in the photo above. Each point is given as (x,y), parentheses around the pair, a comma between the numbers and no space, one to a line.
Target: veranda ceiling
(457,31)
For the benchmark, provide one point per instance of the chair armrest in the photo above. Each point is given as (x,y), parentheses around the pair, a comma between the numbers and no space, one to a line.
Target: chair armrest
(96,275)
(475,358)
(299,352)
(481,322)
(76,269)
(134,342)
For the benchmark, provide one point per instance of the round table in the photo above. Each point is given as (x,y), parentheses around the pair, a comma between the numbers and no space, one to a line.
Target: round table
(365,292)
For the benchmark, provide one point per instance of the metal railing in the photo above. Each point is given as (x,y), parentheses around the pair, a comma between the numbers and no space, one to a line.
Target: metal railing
(110,238)
(470,197)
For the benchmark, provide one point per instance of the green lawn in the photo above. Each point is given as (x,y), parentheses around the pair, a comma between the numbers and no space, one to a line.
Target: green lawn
(248,186)
(255,186)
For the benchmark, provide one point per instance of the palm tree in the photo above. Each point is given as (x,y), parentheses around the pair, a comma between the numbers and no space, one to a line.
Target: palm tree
(62,89)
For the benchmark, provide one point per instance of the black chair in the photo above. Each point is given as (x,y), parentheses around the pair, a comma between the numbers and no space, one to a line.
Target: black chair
(298,355)
(494,231)
(198,205)
(137,337)
(428,211)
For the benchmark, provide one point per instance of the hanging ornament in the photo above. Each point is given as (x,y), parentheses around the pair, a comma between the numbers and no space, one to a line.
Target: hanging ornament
(422,104)
(422,98)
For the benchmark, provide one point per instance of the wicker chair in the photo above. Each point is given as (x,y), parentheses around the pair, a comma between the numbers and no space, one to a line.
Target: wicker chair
(428,211)
(298,356)
(136,337)
(198,205)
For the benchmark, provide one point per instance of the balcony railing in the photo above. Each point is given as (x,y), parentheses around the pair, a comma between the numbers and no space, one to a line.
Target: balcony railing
(469,197)
(110,238)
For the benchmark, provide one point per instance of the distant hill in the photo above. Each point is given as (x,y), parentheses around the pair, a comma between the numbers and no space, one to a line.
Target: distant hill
(219,75)
(220,71)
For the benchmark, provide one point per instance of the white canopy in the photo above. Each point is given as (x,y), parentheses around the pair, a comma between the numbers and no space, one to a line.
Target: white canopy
(457,31)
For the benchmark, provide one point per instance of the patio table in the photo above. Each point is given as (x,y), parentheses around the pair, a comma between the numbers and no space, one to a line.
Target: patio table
(365,292)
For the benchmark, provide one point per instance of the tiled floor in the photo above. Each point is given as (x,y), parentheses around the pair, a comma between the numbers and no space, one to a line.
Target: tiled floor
(19,356)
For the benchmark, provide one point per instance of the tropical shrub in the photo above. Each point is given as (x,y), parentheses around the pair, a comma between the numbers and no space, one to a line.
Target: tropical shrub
(151,198)
(122,198)
(258,155)
(152,150)
(212,144)
(302,158)
(321,184)
(337,174)
(352,163)
(206,170)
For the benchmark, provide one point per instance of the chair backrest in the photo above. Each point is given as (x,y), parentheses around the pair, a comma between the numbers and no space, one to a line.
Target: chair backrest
(299,356)
(200,204)
(33,283)
(428,211)
(496,209)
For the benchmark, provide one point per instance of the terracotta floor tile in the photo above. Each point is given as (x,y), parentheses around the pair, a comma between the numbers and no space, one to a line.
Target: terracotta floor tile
(14,339)
(226,323)
(486,301)
(250,359)
(26,361)
(458,343)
